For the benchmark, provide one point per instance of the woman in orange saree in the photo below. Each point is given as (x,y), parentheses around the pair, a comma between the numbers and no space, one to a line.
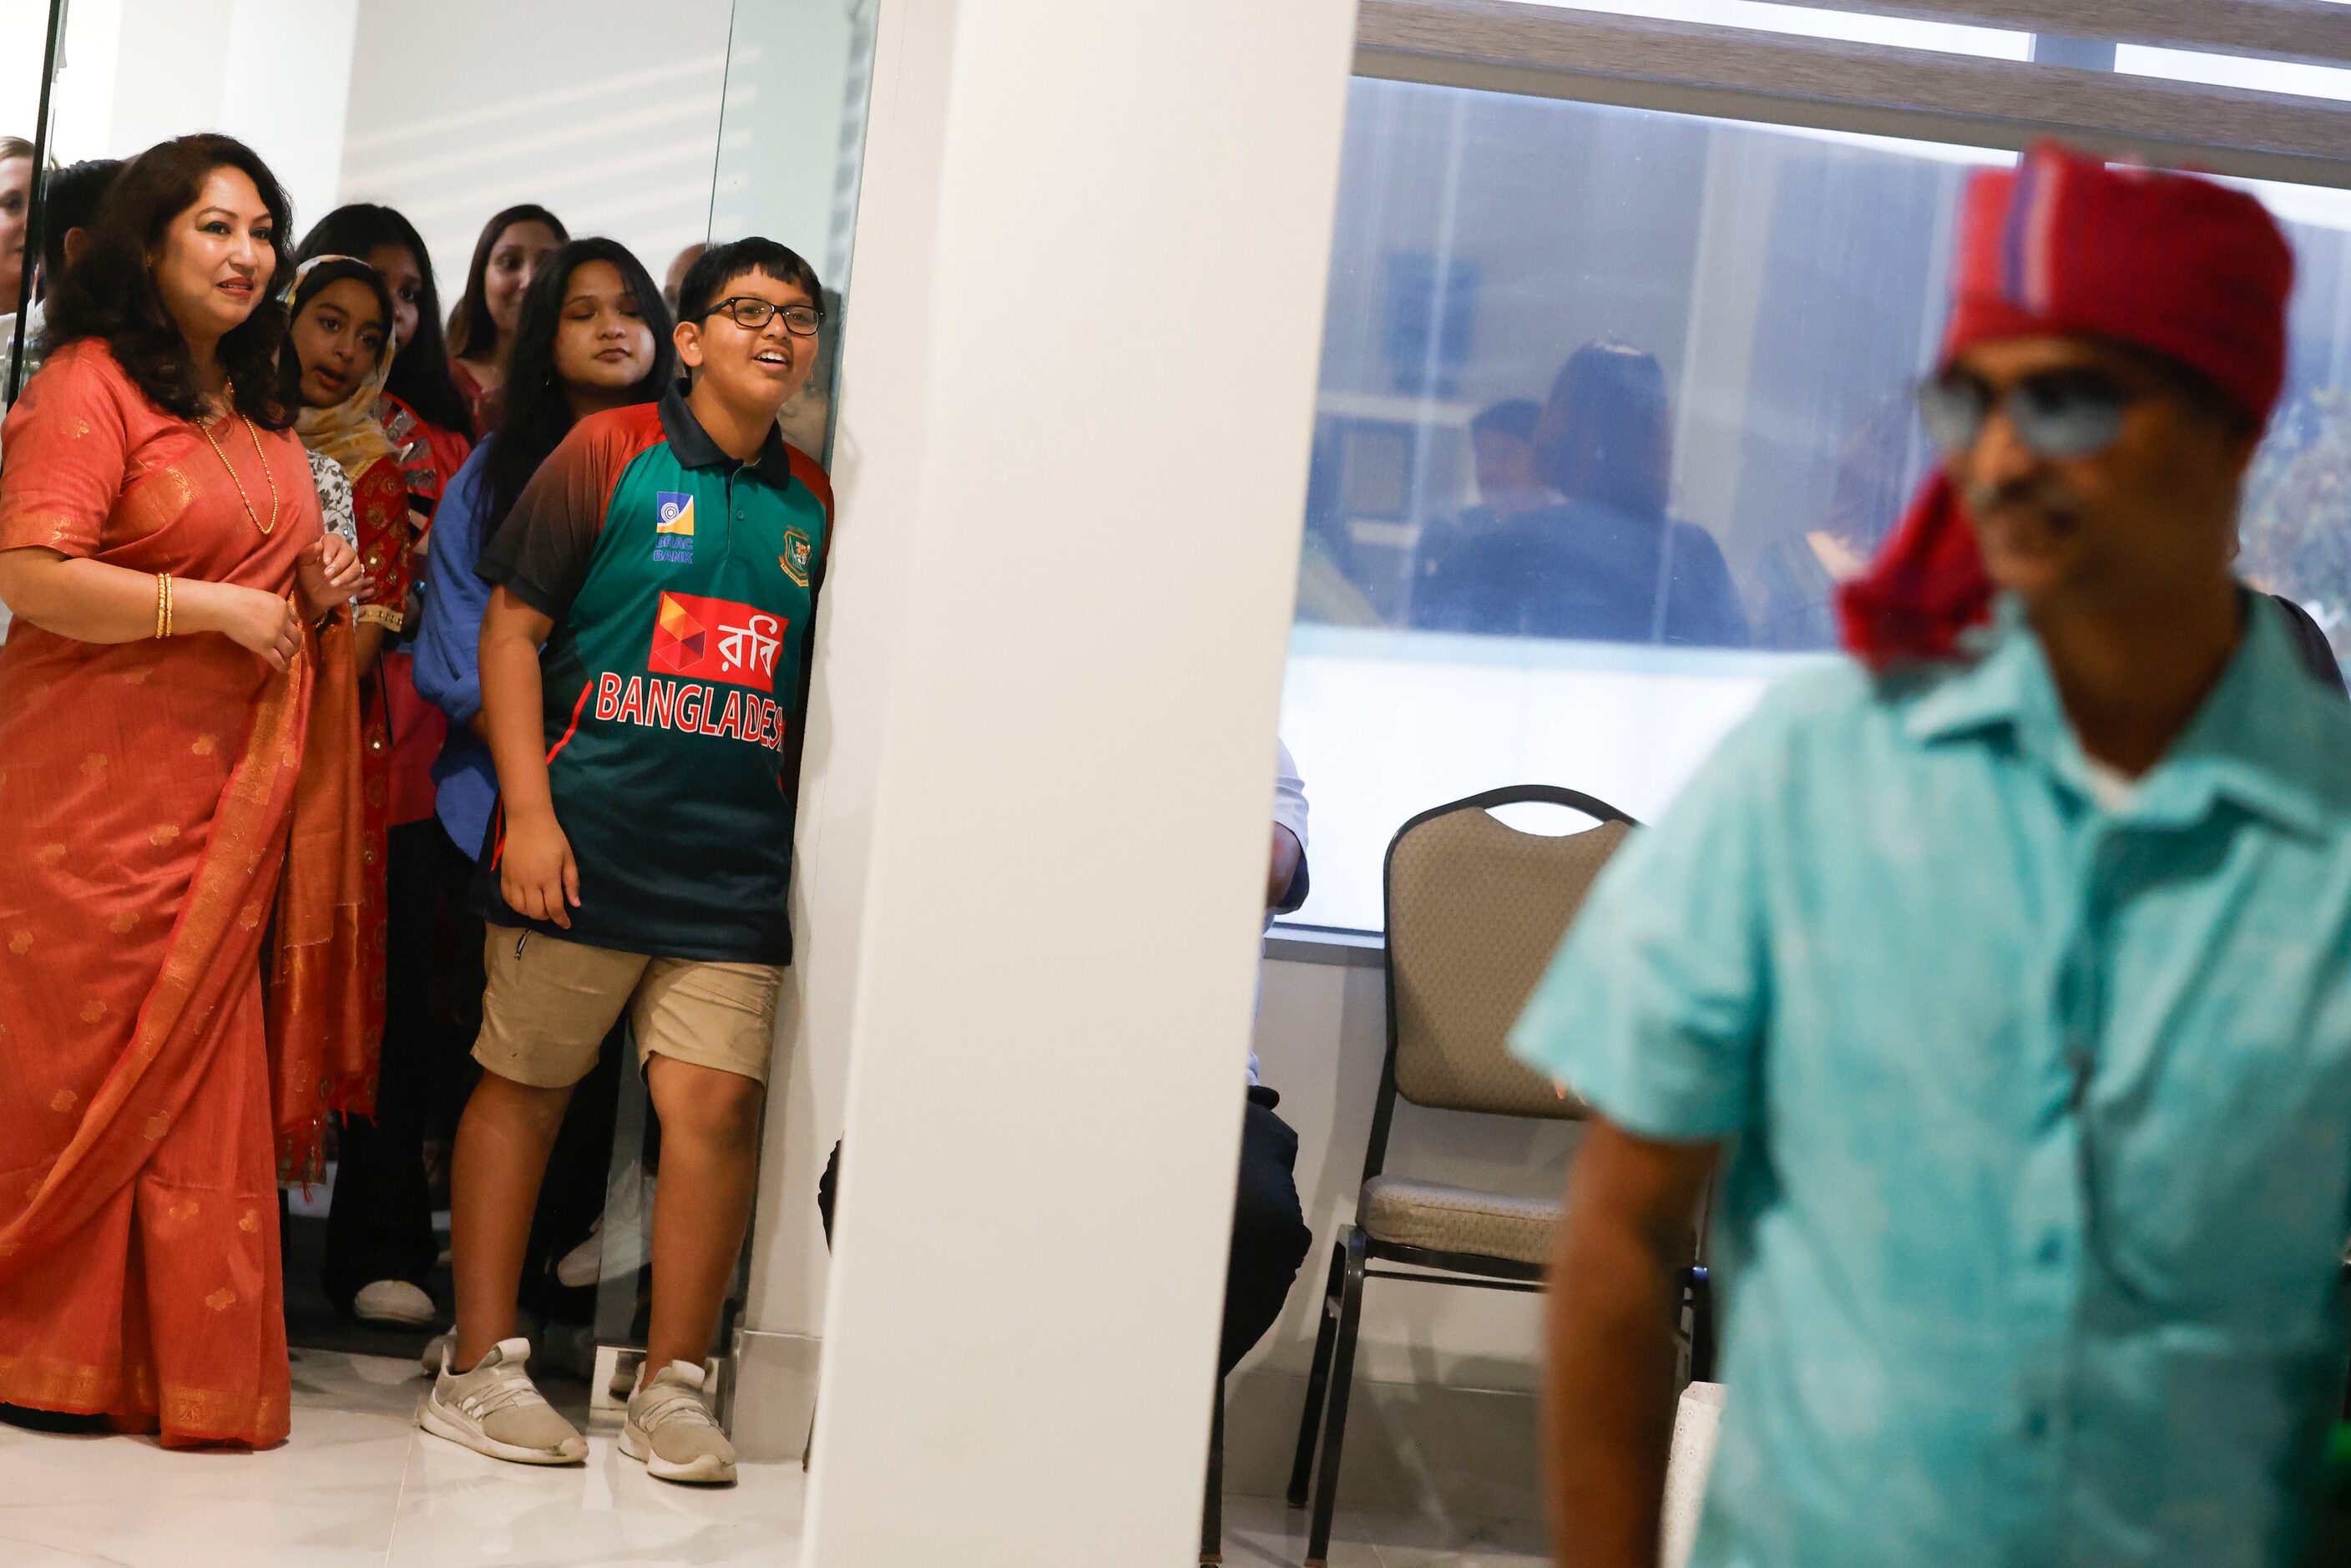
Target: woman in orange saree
(161,543)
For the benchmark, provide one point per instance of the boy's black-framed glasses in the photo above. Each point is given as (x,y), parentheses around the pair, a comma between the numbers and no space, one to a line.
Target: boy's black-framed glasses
(751,313)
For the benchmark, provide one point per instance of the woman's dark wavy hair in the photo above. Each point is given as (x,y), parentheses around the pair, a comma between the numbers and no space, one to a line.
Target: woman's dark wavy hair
(537,414)
(112,293)
(1607,434)
(472,333)
(420,374)
(290,362)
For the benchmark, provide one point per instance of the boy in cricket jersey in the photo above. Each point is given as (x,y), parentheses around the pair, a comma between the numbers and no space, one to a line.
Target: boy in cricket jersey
(642,665)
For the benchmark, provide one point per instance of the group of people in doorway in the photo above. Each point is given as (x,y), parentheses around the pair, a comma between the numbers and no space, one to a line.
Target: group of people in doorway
(322,623)
(330,630)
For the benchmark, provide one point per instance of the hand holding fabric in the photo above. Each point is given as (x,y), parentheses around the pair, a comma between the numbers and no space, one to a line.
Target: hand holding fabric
(330,574)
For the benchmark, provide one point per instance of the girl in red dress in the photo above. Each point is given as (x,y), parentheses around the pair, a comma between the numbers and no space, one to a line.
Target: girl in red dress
(381,1249)
(338,352)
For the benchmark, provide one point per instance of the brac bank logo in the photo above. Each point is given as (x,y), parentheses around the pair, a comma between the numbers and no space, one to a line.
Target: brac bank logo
(673,528)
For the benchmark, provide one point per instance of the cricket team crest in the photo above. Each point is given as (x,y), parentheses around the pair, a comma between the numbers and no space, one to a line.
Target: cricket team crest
(795,558)
(673,528)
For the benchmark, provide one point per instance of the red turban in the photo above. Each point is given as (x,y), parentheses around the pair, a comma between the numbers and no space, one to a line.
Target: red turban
(2064,246)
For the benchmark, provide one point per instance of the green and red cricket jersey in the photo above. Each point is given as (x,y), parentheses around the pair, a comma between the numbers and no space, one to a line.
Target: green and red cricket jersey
(681,583)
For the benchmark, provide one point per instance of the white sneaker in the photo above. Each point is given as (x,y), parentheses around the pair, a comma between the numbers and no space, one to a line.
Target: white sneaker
(671,1429)
(583,1265)
(392,1301)
(619,1250)
(441,1344)
(496,1410)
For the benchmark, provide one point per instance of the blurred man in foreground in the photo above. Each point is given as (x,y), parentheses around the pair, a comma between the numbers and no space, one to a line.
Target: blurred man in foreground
(2014,961)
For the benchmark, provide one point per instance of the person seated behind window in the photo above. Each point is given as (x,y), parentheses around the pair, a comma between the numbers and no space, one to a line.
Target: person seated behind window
(1606,563)
(1270,1239)
(1797,578)
(1510,481)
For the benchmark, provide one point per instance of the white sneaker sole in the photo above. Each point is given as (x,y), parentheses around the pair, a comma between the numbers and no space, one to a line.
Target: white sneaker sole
(399,1318)
(707,1470)
(430,1416)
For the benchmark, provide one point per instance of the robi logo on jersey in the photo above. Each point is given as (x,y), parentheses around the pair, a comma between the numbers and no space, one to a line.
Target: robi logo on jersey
(717,640)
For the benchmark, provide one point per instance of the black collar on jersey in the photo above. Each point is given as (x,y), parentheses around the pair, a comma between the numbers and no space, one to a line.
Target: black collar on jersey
(691,445)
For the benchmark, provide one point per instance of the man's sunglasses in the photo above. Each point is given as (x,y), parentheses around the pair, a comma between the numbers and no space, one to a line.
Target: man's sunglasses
(2062,414)
(751,313)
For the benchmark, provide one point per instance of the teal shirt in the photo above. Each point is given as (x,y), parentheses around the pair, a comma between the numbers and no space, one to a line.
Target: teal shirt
(2032,1227)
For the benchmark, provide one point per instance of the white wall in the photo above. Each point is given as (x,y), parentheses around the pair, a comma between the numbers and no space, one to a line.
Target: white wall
(448,110)
(1386,724)
(276,73)
(1032,1091)
(24,25)
(605,111)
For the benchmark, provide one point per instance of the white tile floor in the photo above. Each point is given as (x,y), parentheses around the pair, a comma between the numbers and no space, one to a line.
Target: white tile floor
(359,1485)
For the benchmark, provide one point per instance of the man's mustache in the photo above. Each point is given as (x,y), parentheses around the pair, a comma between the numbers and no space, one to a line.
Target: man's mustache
(2039,495)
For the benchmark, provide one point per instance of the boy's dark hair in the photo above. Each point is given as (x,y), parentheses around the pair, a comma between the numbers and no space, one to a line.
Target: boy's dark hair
(70,196)
(112,293)
(706,280)
(472,334)
(420,374)
(1514,417)
(538,415)
(290,362)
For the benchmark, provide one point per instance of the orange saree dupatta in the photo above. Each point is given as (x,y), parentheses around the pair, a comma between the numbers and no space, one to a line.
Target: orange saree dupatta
(217,941)
(320,1055)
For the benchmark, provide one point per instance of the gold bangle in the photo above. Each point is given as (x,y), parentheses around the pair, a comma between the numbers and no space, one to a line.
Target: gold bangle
(162,597)
(168,606)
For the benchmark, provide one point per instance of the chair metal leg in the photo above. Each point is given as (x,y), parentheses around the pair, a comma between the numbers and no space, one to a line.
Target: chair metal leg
(1212,1507)
(1318,1380)
(1334,1418)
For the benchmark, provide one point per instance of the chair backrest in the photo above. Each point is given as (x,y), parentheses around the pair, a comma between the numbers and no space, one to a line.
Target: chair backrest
(1475,910)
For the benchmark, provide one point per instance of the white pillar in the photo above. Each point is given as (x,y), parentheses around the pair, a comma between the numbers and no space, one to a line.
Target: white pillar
(1077,399)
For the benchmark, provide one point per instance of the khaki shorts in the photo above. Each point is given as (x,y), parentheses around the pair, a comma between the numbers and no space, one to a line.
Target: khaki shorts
(551,1003)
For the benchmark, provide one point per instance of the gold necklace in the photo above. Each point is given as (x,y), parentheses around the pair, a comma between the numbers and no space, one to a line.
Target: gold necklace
(266,527)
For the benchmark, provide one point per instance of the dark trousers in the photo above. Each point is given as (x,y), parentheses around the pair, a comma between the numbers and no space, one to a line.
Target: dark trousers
(380,1226)
(1270,1239)
(1269,1236)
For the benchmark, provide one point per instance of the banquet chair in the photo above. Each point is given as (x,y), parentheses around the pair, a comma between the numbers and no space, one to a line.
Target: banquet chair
(1475,910)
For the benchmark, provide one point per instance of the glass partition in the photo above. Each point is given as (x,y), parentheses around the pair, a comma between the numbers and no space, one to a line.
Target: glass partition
(790,143)
(28,32)
(1610,399)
